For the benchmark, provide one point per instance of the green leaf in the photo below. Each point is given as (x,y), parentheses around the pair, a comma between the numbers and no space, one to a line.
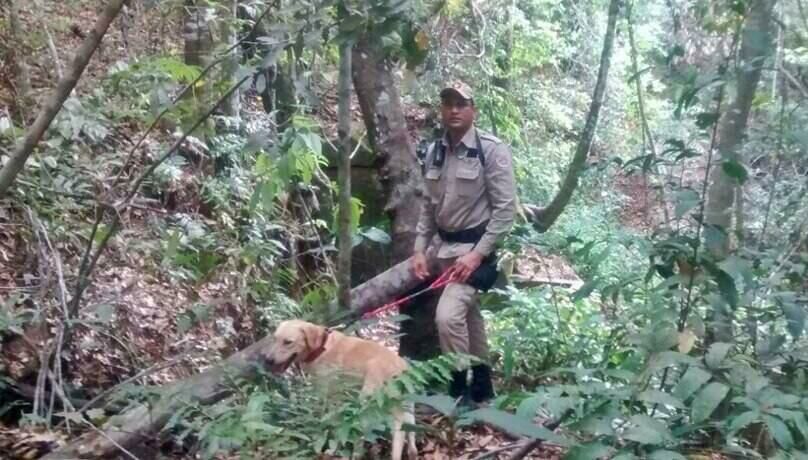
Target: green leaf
(705,120)
(660,397)
(739,422)
(376,235)
(716,354)
(647,430)
(515,425)
(714,236)
(685,201)
(666,455)
(726,284)
(707,400)
(588,451)
(735,170)
(795,315)
(529,406)
(584,291)
(625,456)
(779,431)
(691,381)
(444,404)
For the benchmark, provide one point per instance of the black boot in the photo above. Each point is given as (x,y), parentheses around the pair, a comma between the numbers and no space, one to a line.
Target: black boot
(482,389)
(458,387)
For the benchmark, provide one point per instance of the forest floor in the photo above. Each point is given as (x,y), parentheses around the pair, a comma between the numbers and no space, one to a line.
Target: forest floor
(140,309)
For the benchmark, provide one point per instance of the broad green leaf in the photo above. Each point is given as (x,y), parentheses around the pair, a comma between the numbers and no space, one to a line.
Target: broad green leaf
(660,397)
(515,425)
(707,400)
(739,422)
(685,201)
(647,430)
(666,455)
(588,451)
(795,315)
(716,354)
(669,358)
(584,291)
(625,456)
(779,431)
(705,120)
(446,405)
(735,170)
(529,406)
(376,235)
(714,236)
(726,284)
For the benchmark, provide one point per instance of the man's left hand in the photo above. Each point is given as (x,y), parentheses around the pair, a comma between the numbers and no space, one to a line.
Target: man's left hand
(465,265)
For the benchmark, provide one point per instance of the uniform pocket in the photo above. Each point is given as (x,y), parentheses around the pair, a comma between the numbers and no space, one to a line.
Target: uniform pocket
(432,182)
(466,183)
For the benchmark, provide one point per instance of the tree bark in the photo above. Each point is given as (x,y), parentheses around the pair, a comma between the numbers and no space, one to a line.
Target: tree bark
(382,112)
(54,103)
(142,422)
(232,106)
(197,35)
(755,47)
(344,178)
(23,76)
(543,218)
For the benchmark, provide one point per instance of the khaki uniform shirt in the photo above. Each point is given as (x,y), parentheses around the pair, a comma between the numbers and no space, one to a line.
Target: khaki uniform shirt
(462,194)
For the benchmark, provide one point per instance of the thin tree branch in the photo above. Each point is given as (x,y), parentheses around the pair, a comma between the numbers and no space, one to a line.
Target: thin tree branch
(559,202)
(53,105)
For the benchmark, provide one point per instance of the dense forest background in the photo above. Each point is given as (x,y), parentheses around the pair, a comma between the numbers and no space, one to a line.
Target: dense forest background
(178,176)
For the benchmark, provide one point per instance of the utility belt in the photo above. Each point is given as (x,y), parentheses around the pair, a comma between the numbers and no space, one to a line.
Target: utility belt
(484,277)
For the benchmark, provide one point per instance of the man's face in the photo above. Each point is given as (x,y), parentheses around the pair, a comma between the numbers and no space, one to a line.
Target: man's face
(457,113)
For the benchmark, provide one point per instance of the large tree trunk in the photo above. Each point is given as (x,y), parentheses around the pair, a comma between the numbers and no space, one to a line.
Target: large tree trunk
(197,34)
(755,47)
(140,424)
(23,150)
(22,79)
(232,106)
(543,218)
(344,240)
(379,99)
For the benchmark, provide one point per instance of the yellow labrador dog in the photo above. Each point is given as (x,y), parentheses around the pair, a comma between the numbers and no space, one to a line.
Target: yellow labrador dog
(319,351)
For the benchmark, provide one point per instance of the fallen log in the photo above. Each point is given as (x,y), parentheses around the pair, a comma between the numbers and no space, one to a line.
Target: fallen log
(140,423)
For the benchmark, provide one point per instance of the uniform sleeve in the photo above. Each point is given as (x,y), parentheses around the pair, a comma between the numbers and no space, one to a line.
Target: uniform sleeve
(426,224)
(500,187)
(427,227)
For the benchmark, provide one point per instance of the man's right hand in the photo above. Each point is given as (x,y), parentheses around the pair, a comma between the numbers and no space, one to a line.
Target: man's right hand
(420,266)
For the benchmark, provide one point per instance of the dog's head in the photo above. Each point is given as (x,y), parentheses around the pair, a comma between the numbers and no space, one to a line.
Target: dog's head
(293,342)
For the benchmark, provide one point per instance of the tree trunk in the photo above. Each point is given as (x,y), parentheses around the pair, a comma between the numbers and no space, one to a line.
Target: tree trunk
(344,178)
(380,102)
(543,218)
(755,47)
(22,77)
(54,103)
(143,422)
(197,34)
(232,106)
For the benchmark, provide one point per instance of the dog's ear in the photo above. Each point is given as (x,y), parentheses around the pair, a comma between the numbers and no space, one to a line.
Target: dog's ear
(314,336)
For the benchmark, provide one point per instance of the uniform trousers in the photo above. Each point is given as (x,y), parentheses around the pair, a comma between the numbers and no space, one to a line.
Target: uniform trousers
(460,324)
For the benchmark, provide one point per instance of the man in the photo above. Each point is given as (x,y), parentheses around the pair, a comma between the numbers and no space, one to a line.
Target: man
(469,205)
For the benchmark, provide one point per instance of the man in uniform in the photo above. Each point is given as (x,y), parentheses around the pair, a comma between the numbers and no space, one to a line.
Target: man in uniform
(469,205)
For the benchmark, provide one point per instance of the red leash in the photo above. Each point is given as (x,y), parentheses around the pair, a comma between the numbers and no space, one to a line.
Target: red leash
(441,281)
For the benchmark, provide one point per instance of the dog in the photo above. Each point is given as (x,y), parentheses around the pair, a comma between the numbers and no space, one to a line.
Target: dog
(320,351)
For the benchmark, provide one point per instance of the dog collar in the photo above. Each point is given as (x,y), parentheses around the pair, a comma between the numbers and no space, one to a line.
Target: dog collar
(319,351)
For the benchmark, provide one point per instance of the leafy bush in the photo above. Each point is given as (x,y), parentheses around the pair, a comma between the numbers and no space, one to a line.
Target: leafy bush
(302,418)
